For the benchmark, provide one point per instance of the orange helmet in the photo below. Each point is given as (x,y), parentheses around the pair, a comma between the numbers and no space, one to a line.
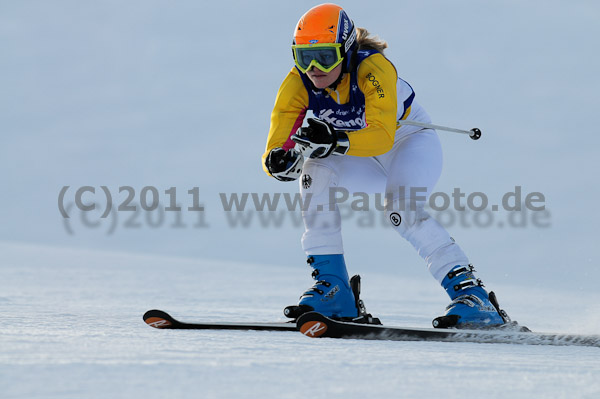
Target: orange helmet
(326,24)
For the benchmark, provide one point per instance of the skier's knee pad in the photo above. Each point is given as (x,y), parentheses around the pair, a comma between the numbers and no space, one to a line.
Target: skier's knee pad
(405,216)
(418,227)
(316,180)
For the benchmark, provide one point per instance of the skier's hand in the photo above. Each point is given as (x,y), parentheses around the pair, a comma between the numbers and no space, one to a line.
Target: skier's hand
(319,140)
(284,165)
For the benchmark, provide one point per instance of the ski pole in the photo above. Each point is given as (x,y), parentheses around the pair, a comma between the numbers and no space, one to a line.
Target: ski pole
(474,133)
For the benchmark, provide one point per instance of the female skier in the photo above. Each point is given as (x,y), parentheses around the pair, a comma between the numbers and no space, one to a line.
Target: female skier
(356,141)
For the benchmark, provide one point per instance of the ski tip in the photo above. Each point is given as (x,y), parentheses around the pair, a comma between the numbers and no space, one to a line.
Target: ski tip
(158,319)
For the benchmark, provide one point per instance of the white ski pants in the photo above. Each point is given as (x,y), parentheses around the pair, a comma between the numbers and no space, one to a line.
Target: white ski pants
(406,175)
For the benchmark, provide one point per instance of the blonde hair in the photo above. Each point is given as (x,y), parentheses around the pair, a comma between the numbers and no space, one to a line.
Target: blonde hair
(366,41)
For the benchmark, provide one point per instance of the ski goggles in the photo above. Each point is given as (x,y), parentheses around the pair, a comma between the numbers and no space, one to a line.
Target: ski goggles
(325,56)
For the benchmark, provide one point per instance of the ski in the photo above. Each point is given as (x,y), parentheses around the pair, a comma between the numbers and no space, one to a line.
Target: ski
(163,320)
(316,325)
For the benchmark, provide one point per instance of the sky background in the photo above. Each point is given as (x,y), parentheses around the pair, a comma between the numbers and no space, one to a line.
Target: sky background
(179,94)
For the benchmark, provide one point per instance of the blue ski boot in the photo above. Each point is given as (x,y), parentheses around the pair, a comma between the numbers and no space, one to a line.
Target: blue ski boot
(331,295)
(471,306)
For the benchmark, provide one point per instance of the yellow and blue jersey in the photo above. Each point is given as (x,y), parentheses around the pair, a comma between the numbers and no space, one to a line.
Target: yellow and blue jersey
(368,104)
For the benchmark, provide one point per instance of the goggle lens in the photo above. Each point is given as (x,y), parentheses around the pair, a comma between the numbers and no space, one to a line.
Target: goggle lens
(324,58)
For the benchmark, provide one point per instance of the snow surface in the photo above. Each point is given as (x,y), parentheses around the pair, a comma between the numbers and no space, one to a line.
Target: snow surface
(72,328)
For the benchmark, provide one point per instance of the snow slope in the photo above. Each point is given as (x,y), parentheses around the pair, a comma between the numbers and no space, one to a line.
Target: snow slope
(72,328)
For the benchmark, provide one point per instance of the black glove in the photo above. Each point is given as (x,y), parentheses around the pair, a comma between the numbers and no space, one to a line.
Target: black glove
(284,165)
(319,140)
